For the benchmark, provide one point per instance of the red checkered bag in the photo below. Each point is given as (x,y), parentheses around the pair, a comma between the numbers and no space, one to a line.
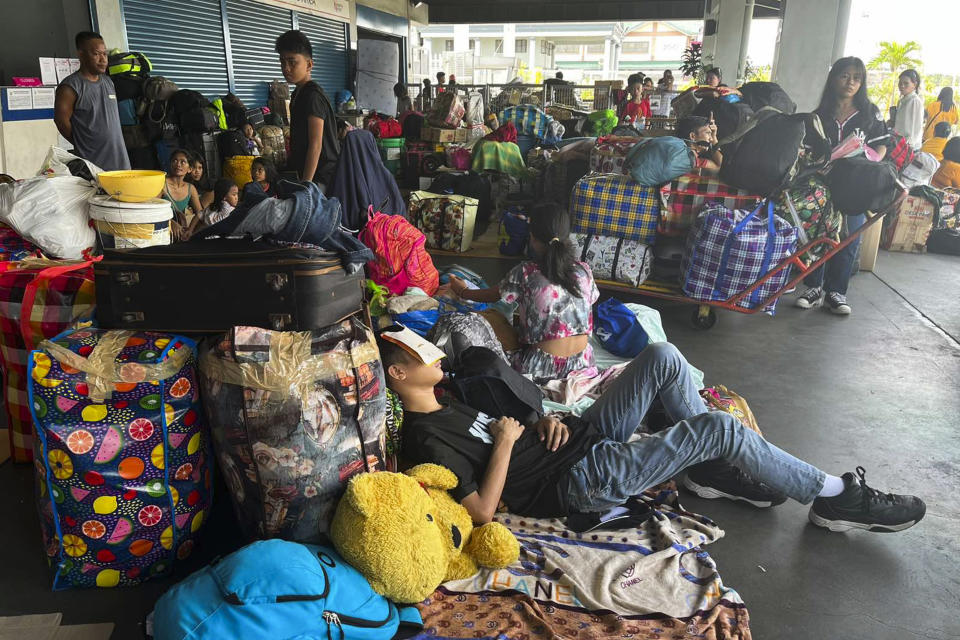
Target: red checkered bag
(38,300)
(610,154)
(682,200)
(899,152)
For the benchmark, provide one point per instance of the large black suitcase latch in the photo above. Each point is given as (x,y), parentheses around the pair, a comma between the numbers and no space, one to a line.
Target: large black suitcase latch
(278,281)
(128,278)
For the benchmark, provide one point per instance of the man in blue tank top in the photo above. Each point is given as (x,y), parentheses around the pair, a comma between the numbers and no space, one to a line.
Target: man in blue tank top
(86,107)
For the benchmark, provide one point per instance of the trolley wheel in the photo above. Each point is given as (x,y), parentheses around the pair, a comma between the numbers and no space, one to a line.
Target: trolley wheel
(704,317)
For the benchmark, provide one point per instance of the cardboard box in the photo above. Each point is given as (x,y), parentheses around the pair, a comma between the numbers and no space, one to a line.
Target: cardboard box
(433,134)
(870,246)
(908,231)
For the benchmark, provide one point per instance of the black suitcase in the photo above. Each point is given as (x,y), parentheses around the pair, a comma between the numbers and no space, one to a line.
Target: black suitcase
(210,286)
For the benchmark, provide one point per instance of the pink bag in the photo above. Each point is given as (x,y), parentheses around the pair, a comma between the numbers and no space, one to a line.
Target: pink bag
(447,111)
(459,158)
(400,260)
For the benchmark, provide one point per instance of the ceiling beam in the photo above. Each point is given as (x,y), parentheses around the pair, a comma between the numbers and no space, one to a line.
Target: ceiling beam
(500,11)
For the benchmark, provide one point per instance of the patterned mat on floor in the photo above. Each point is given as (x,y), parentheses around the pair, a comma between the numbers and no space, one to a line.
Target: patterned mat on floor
(651,582)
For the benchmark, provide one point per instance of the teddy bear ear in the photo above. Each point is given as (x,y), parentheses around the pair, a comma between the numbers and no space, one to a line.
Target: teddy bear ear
(366,492)
(434,476)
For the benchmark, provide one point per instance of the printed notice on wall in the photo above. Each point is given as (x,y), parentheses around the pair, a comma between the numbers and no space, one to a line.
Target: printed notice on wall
(19,99)
(62,66)
(48,71)
(43,97)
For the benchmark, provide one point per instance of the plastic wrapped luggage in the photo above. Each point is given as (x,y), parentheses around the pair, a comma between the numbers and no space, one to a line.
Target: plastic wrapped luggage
(808,205)
(615,206)
(625,261)
(609,155)
(38,299)
(293,416)
(682,199)
(728,251)
(122,461)
(224,283)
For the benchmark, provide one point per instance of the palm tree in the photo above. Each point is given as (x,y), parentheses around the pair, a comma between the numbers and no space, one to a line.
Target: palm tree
(894,58)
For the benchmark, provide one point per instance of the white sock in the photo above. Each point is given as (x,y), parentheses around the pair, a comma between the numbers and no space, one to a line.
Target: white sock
(832,486)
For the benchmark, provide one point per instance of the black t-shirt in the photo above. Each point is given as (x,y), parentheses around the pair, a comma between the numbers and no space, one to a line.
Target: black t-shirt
(868,121)
(310,100)
(459,438)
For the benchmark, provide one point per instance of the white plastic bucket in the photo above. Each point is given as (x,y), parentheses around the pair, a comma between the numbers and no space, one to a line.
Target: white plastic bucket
(128,225)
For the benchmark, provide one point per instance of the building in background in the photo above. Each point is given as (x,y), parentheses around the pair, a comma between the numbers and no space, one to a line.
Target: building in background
(495,54)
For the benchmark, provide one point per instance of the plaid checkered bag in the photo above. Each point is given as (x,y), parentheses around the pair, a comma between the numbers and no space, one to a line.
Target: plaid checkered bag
(615,206)
(682,199)
(38,300)
(528,120)
(13,247)
(729,250)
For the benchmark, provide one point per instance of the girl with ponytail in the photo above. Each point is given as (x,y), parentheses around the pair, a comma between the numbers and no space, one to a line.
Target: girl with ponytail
(554,294)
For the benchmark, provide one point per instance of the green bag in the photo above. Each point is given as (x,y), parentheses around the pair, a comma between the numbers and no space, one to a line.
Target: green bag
(602,122)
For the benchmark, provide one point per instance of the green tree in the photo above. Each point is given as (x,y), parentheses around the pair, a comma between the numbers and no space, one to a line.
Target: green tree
(893,58)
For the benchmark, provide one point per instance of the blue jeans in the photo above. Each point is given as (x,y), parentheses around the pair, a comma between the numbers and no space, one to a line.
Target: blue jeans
(615,470)
(835,275)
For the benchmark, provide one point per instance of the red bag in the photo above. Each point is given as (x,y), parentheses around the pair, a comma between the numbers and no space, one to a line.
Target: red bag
(400,259)
(681,201)
(900,152)
(383,127)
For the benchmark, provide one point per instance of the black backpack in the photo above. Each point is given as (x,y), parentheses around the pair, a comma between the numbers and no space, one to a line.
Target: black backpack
(187,100)
(234,110)
(483,381)
(231,143)
(858,185)
(767,94)
(764,156)
(471,185)
(128,70)
(413,126)
(728,116)
(944,241)
(198,120)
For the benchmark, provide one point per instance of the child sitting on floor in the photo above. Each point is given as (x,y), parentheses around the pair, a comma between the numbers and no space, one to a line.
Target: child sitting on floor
(702,134)
(554,294)
(263,178)
(226,195)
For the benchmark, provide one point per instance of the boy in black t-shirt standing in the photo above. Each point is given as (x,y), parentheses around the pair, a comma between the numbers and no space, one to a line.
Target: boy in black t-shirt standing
(592,465)
(314,145)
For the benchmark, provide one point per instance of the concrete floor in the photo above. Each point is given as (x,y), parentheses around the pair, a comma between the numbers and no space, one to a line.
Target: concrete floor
(877,389)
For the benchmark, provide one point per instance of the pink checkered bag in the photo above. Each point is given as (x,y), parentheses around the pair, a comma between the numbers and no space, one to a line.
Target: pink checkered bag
(683,199)
(38,300)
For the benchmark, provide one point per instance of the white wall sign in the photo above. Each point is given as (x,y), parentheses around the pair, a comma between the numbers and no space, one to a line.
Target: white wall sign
(339,9)
(43,97)
(19,99)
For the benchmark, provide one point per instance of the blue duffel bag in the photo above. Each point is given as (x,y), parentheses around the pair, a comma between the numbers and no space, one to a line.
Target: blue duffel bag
(656,161)
(282,591)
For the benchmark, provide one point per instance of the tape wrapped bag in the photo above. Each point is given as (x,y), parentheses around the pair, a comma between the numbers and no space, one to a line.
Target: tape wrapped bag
(123,469)
(293,416)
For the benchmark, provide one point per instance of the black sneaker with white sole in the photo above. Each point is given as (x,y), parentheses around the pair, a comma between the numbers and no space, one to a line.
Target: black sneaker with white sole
(861,507)
(812,297)
(837,303)
(719,479)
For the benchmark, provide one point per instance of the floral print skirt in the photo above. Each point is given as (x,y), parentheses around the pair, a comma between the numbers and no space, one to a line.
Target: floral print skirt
(541,365)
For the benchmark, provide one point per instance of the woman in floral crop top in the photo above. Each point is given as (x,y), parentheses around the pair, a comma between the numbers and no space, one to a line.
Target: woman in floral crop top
(554,294)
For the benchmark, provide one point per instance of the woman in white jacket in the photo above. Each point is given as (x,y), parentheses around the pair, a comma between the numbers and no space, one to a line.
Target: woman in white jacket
(909,122)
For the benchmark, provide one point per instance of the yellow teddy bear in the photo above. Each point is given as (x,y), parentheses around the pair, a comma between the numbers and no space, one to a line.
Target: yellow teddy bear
(407,535)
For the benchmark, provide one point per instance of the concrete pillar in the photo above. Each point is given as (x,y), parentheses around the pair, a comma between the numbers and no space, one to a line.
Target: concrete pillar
(509,40)
(812,36)
(461,37)
(607,56)
(109,23)
(727,23)
(532,53)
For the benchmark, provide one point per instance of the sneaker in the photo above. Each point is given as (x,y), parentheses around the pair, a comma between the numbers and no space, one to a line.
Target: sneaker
(812,297)
(719,479)
(837,302)
(860,507)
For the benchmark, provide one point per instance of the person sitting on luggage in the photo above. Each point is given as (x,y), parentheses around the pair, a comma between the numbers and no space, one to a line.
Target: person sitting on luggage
(934,146)
(948,175)
(637,109)
(592,464)
(198,177)
(404,103)
(844,109)
(263,178)
(554,296)
(226,195)
(714,77)
(181,194)
(702,135)
(251,139)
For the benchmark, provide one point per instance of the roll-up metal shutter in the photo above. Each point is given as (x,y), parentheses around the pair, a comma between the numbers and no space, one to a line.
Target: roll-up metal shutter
(329,40)
(183,39)
(254,28)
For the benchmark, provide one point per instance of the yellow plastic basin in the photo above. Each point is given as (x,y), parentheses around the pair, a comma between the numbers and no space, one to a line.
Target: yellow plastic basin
(132,186)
